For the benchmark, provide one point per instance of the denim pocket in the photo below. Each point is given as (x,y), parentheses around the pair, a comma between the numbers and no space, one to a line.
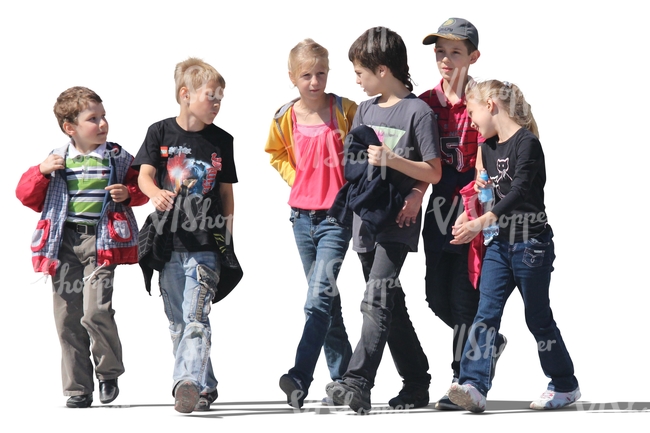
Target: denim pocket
(533,257)
(292,217)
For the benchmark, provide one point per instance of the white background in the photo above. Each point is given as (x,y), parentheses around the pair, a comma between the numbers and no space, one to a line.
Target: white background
(578,66)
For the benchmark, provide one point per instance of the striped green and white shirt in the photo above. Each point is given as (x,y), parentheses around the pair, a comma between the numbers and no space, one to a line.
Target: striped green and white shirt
(87,176)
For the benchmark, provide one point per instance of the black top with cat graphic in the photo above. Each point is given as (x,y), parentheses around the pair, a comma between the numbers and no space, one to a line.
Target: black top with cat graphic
(518,172)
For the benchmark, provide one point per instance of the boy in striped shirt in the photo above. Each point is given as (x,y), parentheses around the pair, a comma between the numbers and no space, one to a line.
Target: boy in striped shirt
(85,191)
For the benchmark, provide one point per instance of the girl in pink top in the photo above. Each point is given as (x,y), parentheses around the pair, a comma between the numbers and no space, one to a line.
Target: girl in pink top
(306,147)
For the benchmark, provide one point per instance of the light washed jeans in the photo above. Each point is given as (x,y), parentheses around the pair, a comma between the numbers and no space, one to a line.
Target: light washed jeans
(187,305)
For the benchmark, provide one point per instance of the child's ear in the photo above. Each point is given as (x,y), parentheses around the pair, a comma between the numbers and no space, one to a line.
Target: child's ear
(69,128)
(474,56)
(381,70)
(183,93)
(490,105)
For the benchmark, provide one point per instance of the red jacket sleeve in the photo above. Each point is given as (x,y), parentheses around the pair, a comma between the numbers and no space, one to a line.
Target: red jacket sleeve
(32,188)
(131,182)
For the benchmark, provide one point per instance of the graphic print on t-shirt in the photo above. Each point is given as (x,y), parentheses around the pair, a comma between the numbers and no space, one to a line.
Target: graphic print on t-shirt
(389,136)
(183,170)
(502,168)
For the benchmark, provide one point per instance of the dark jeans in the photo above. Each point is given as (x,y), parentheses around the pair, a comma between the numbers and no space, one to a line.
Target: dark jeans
(386,320)
(527,266)
(451,296)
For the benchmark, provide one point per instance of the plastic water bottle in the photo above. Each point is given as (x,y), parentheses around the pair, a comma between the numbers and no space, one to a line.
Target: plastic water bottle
(486,197)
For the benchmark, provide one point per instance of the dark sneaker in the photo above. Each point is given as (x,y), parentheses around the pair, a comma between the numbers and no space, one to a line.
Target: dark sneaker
(80,401)
(186,396)
(445,403)
(205,400)
(410,397)
(342,393)
(294,390)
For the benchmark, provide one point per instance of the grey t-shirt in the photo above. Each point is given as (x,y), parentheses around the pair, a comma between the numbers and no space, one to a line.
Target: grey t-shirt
(409,129)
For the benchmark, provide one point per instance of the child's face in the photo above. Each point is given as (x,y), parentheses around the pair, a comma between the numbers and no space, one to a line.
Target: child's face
(453,60)
(205,102)
(367,79)
(311,81)
(91,128)
(481,114)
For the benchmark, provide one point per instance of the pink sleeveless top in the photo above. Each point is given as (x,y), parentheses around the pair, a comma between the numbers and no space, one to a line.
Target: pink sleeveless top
(319,164)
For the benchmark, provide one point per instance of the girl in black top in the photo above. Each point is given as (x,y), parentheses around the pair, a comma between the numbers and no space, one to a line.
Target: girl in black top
(520,256)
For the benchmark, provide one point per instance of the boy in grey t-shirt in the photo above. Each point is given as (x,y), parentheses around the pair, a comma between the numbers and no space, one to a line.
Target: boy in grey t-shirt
(405,127)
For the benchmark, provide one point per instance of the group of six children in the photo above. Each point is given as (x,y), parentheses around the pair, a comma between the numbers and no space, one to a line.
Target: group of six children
(356,173)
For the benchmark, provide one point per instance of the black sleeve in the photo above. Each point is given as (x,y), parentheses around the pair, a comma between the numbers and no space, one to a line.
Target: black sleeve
(529,159)
(149,152)
(228,172)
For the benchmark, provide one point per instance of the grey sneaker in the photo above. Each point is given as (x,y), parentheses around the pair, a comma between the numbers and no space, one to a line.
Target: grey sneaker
(342,393)
(555,400)
(186,396)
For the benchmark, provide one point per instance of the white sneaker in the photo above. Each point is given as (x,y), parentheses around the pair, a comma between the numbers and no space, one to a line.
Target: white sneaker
(467,397)
(555,400)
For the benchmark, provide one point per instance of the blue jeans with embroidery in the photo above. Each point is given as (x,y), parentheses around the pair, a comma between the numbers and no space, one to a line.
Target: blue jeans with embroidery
(322,244)
(527,266)
(187,305)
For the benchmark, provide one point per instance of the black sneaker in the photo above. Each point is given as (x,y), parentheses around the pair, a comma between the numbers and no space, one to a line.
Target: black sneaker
(342,393)
(294,390)
(445,403)
(205,400)
(410,397)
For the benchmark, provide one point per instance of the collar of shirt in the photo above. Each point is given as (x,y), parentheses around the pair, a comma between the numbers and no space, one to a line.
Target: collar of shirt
(97,153)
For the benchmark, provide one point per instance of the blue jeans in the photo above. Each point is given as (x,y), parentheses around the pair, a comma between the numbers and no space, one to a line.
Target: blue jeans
(386,320)
(187,305)
(527,266)
(322,245)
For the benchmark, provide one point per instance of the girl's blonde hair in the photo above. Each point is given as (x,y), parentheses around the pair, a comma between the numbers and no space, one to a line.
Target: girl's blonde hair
(508,96)
(194,73)
(305,55)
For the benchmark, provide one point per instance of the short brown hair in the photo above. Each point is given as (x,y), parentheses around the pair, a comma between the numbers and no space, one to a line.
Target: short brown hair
(73,101)
(194,73)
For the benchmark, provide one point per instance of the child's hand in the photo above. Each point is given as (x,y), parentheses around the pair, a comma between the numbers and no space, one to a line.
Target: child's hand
(409,213)
(480,184)
(118,192)
(379,155)
(51,163)
(163,200)
(464,231)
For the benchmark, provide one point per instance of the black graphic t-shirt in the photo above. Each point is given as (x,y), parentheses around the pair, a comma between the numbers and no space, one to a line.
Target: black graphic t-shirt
(192,164)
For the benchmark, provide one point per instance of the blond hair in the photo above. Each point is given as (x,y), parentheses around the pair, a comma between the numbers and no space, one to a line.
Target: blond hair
(508,96)
(305,55)
(193,74)
(73,101)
